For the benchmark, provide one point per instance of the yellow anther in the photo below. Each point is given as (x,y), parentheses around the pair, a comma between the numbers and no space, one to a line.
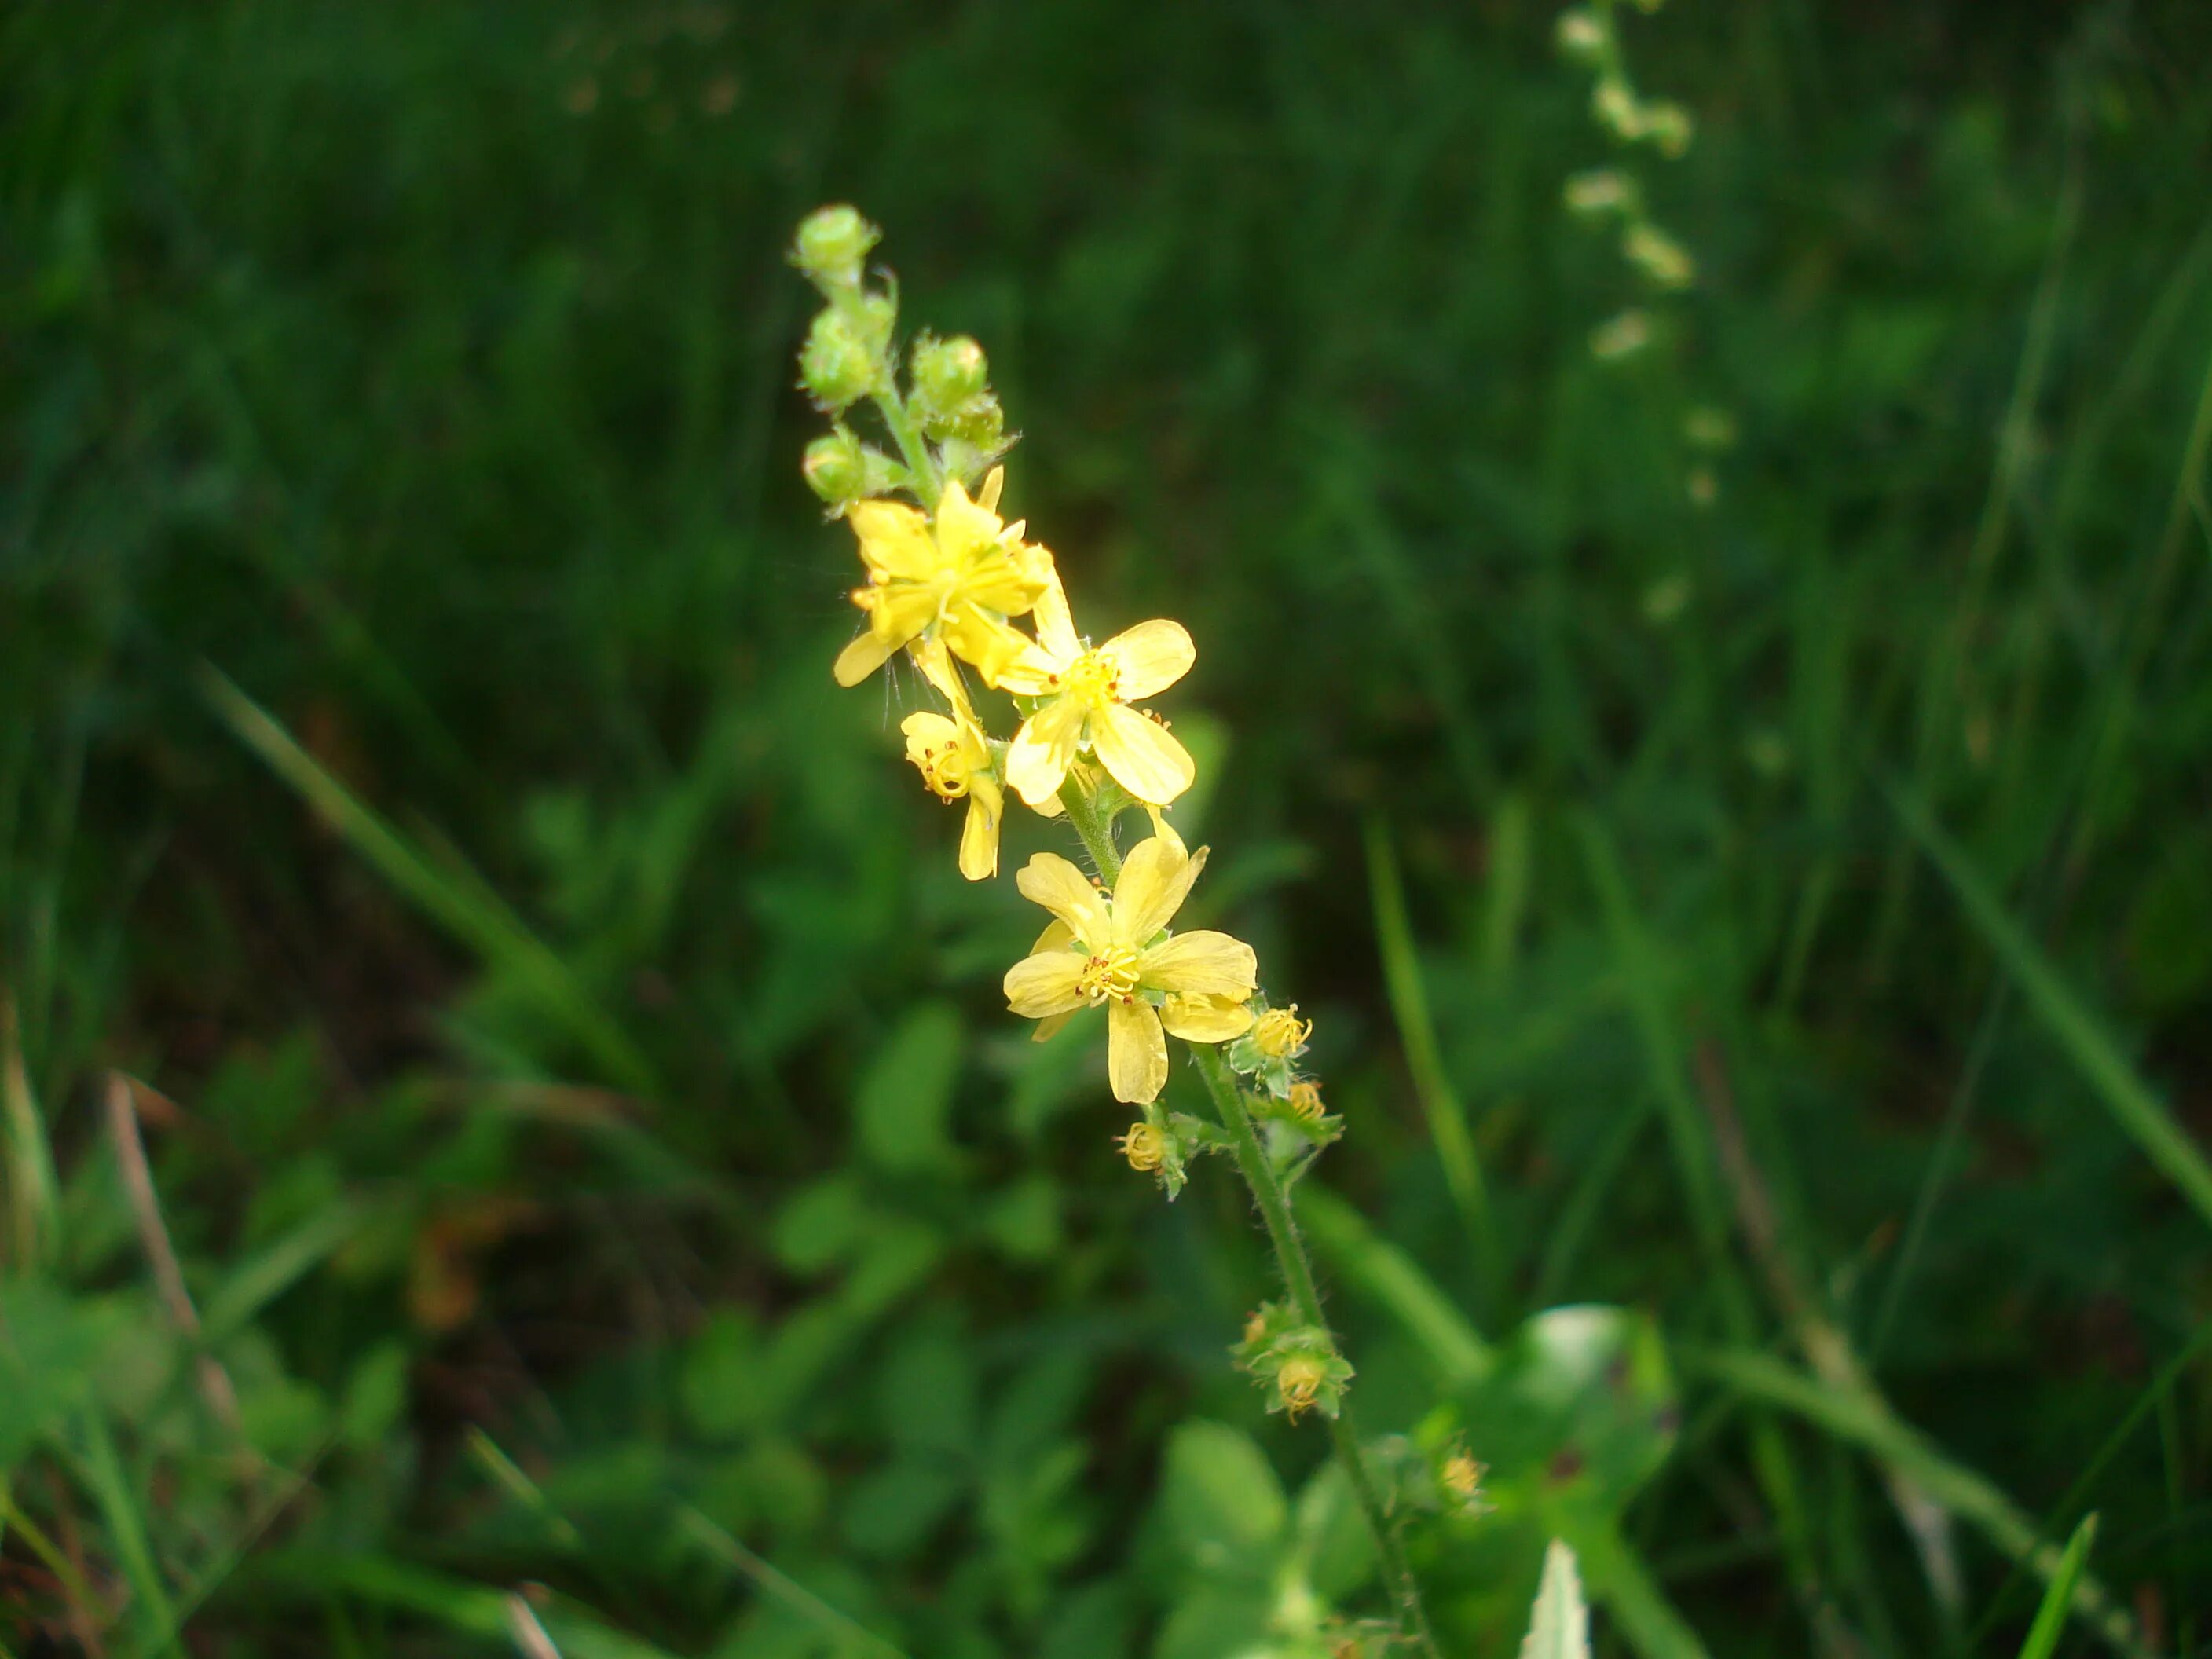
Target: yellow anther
(1305,1100)
(1108,975)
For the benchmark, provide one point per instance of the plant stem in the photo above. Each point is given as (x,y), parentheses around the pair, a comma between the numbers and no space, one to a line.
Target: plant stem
(1290,1259)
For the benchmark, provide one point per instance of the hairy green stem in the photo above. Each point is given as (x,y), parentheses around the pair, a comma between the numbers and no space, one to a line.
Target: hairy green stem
(1297,1269)
(1273,1200)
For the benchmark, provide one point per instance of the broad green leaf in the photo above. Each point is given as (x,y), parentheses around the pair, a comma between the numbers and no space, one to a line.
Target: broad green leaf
(905,1099)
(1223,1503)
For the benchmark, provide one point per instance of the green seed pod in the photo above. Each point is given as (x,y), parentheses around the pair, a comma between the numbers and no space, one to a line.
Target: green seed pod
(832,242)
(836,367)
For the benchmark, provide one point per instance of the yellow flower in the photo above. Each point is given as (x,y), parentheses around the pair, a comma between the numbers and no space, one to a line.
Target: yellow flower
(955,761)
(1305,1100)
(1279,1034)
(1113,950)
(956,577)
(1142,1146)
(1087,693)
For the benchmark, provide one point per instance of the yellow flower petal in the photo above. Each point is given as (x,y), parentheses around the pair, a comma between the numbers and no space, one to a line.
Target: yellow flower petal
(859,660)
(979,834)
(937,667)
(1050,880)
(901,612)
(1136,1052)
(1151,656)
(1143,757)
(1042,985)
(1054,622)
(1038,758)
(894,539)
(1057,936)
(993,481)
(1049,1027)
(1201,962)
(926,731)
(1156,878)
(961,526)
(989,641)
(1205,1019)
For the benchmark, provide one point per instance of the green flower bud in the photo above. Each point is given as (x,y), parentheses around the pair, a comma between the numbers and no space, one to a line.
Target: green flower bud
(1622,336)
(836,366)
(1581,36)
(948,373)
(836,469)
(1616,109)
(831,243)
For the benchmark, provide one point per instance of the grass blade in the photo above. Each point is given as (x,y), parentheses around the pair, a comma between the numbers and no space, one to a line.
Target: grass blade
(1417,1031)
(2050,1617)
(462,907)
(2122,1091)
(1864,1420)
(1385,1274)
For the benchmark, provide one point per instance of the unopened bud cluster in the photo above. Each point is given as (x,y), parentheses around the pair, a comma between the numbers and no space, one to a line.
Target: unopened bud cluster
(945,424)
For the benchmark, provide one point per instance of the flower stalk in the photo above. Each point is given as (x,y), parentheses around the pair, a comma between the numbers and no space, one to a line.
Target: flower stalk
(947,581)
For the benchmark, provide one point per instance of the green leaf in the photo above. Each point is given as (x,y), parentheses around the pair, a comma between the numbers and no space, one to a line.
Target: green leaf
(1223,1503)
(1558,1625)
(906,1098)
(720,1381)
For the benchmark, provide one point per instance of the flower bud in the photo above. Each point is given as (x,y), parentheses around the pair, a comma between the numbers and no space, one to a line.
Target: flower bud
(836,468)
(836,367)
(1581,36)
(948,373)
(1658,256)
(1623,336)
(832,242)
(1602,191)
(1616,109)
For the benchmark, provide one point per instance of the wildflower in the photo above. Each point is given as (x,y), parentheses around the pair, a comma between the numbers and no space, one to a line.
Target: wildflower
(1114,950)
(955,762)
(1086,694)
(955,578)
(1305,1100)
(1143,1147)
(1461,1476)
(1279,1034)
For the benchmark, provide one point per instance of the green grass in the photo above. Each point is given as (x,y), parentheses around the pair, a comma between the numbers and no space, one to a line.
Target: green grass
(575,1079)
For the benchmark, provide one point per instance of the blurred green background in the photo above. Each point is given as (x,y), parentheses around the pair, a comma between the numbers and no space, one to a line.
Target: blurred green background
(573,1081)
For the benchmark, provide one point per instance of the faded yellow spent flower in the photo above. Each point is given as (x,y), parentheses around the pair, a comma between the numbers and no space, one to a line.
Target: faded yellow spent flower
(1299,1381)
(1462,1476)
(1108,950)
(1143,1146)
(1279,1034)
(1086,692)
(1305,1100)
(953,577)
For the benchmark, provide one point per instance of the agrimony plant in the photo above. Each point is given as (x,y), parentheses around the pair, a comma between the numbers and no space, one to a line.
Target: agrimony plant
(1034,712)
